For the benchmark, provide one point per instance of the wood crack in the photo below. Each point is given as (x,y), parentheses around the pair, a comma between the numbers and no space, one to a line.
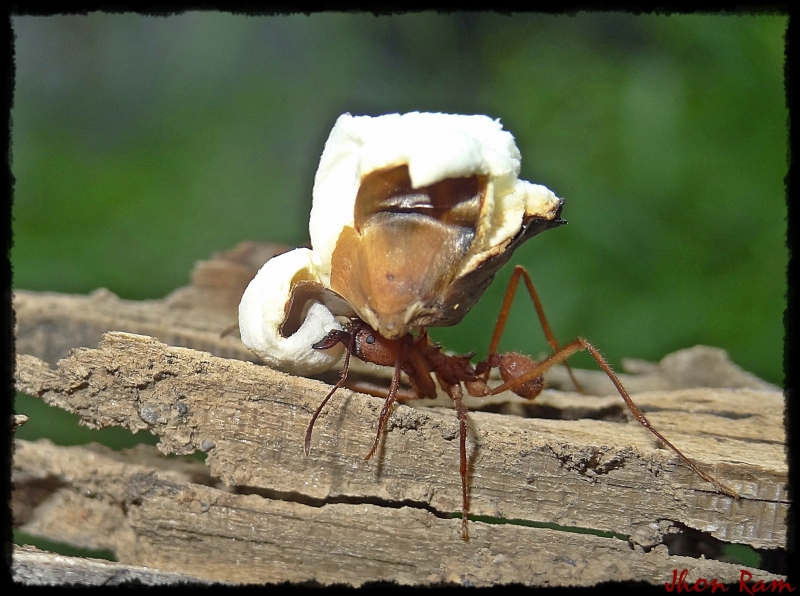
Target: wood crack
(258,487)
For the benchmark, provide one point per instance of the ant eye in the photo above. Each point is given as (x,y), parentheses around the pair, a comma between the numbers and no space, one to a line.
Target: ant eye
(370,339)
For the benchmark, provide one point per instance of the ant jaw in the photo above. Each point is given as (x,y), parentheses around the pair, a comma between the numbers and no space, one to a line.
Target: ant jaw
(334,337)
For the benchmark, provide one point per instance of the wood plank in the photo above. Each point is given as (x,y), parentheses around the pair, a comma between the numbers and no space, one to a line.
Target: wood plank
(155,514)
(590,474)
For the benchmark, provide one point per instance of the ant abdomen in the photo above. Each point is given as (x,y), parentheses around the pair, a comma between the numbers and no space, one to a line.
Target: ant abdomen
(513,365)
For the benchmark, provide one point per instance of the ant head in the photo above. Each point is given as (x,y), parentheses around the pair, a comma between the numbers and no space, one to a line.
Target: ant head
(413,215)
(371,346)
(405,246)
(363,342)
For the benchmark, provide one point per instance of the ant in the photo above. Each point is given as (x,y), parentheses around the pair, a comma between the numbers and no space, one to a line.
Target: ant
(423,361)
(412,217)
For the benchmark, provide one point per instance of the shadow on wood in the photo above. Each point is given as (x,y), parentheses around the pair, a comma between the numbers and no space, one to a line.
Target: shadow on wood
(332,517)
(263,512)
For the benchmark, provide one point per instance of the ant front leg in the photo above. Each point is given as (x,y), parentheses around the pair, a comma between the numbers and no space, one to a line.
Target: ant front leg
(505,309)
(334,337)
(536,370)
(342,379)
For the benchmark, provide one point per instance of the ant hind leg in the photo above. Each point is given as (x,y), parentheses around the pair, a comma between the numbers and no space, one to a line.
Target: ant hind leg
(580,344)
(505,309)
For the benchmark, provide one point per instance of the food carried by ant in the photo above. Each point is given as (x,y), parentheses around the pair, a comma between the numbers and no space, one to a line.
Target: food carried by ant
(412,217)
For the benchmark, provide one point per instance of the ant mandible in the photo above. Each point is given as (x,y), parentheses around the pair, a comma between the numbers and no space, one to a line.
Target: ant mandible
(422,361)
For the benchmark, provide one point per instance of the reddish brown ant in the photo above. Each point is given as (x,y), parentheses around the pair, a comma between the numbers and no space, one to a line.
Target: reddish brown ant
(413,216)
(422,361)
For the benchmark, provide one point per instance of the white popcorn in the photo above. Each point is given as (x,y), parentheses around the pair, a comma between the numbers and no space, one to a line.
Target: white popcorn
(421,258)
(435,147)
(262,313)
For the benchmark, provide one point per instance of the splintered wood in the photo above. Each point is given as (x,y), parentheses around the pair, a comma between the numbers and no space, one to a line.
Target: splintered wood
(260,511)
(334,518)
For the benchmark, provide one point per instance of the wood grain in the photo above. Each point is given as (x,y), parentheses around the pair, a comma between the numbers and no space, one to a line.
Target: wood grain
(260,511)
(605,476)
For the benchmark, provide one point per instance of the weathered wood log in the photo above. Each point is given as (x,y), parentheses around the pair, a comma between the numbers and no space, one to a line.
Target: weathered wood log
(341,519)
(390,518)
(154,516)
(33,567)
(49,324)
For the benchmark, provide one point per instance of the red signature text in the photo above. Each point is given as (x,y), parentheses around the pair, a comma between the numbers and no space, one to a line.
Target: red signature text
(701,584)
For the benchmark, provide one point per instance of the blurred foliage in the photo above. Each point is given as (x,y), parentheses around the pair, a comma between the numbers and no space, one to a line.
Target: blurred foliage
(61,548)
(143,144)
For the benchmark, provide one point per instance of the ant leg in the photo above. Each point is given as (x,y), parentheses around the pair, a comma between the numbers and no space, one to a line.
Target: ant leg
(341,382)
(455,393)
(505,309)
(581,344)
(461,414)
(387,407)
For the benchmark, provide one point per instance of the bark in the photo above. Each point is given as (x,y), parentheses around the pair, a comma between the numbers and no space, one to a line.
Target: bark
(304,518)
(260,511)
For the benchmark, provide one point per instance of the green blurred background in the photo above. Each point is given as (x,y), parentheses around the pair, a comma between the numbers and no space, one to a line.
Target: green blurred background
(143,144)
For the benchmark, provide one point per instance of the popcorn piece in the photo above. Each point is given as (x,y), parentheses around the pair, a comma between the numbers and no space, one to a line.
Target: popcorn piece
(414,213)
(262,313)
(412,216)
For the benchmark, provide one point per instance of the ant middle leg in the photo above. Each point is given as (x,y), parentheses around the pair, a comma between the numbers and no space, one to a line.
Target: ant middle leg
(387,408)
(536,370)
(455,393)
(505,309)
(376,389)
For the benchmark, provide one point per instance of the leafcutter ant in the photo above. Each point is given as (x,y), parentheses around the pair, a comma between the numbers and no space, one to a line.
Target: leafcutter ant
(413,215)
(423,361)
